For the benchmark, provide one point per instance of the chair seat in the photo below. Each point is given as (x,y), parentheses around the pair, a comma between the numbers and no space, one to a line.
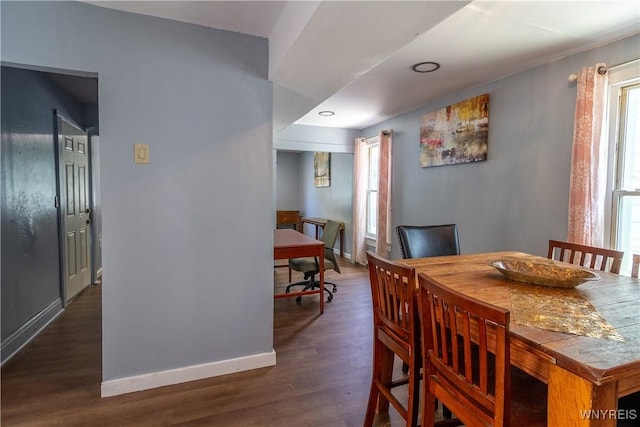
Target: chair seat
(309,264)
(528,402)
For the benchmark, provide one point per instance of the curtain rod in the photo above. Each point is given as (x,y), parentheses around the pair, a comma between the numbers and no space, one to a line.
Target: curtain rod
(602,70)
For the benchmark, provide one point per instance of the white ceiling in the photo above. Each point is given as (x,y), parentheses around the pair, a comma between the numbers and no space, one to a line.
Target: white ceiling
(355,57)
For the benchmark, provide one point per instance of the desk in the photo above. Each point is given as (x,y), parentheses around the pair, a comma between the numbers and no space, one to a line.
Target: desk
(289,243)
(582,373)
(321,222)
(291,218)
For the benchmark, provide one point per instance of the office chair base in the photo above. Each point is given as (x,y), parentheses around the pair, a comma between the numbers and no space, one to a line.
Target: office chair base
(310,285)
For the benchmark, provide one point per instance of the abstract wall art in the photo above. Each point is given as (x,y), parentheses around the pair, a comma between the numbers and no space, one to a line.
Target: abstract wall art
(455,134)
(322,169)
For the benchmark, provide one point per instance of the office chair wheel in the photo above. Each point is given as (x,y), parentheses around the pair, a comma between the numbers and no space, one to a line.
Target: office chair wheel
(330,298)
(335,288)
(299,300)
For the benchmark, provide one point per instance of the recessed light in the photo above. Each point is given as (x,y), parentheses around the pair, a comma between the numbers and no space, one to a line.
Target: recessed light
(425,67)
(326,113)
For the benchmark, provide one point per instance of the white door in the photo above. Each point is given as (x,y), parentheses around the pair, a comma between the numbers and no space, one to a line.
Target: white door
(75,210)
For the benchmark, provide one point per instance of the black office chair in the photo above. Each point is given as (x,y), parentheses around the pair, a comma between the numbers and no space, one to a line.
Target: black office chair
(310,266)
(421,241)
(427,241)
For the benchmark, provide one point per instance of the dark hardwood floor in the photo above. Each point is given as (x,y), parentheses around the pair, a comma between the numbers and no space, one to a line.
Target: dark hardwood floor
(321,377)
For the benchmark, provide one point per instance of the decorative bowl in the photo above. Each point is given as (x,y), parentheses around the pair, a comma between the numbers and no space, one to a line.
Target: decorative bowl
(543,273)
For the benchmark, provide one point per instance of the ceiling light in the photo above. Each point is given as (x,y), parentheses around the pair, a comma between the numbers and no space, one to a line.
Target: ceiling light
(326,113)
(425,67)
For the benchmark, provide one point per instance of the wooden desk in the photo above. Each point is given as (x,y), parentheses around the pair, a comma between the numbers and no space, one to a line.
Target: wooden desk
(582,373)
(289,243)
(291,218)
(320,223)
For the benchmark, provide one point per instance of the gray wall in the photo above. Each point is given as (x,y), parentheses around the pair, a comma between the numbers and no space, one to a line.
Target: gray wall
(518,198)
(176,231)
(288,181)
(334,202)
(30,256)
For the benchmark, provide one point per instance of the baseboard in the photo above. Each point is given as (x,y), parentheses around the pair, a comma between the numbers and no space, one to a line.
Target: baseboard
(17,340)
(188,373)
(345,256)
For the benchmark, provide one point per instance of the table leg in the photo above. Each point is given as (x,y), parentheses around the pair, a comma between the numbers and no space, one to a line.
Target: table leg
(321,281)
(341,244)
(576,402)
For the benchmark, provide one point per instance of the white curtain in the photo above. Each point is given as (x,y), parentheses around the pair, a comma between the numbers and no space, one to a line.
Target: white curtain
(359,251)
(360,177)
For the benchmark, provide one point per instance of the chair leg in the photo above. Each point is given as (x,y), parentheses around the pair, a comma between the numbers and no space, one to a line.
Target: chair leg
(382,358)
(413,405)
(428,406)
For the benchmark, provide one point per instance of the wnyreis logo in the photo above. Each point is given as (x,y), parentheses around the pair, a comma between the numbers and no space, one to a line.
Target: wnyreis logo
(609,414)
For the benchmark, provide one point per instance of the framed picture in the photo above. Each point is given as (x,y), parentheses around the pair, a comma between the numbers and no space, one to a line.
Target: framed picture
(322,169)
(458,133)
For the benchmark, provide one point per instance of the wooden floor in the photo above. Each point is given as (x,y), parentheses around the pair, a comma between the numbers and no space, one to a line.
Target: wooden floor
(321,377)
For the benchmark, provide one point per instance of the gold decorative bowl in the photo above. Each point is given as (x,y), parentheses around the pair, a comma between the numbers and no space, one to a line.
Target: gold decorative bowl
(543,273)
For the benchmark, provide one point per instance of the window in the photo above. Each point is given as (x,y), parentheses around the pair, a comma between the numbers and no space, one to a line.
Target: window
(624,137)
(373,156)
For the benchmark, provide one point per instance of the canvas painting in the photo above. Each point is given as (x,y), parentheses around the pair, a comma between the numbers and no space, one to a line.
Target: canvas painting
(455,134)
(322,169)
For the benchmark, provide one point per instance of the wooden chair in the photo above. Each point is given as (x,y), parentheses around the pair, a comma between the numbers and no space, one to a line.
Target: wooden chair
(586,256)
(635,266)
(466,361)
(395,333)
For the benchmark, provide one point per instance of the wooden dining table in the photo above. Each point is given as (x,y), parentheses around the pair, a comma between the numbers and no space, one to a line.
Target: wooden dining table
(289,243)
(585,375)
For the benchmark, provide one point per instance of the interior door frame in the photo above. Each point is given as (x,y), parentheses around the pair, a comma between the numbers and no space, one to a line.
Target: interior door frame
(61,200)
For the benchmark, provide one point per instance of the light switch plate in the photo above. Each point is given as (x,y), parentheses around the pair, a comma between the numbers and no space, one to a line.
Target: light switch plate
(141,153)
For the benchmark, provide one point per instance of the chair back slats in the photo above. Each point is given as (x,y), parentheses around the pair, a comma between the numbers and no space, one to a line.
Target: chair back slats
(395,332)
(393,297)
(466,355)
(586,256)
(482,355)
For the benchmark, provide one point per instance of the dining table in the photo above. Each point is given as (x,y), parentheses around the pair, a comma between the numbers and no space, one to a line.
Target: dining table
(582,341)
(289,243)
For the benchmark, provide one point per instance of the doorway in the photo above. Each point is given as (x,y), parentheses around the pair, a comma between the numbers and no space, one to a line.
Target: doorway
(31,267)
